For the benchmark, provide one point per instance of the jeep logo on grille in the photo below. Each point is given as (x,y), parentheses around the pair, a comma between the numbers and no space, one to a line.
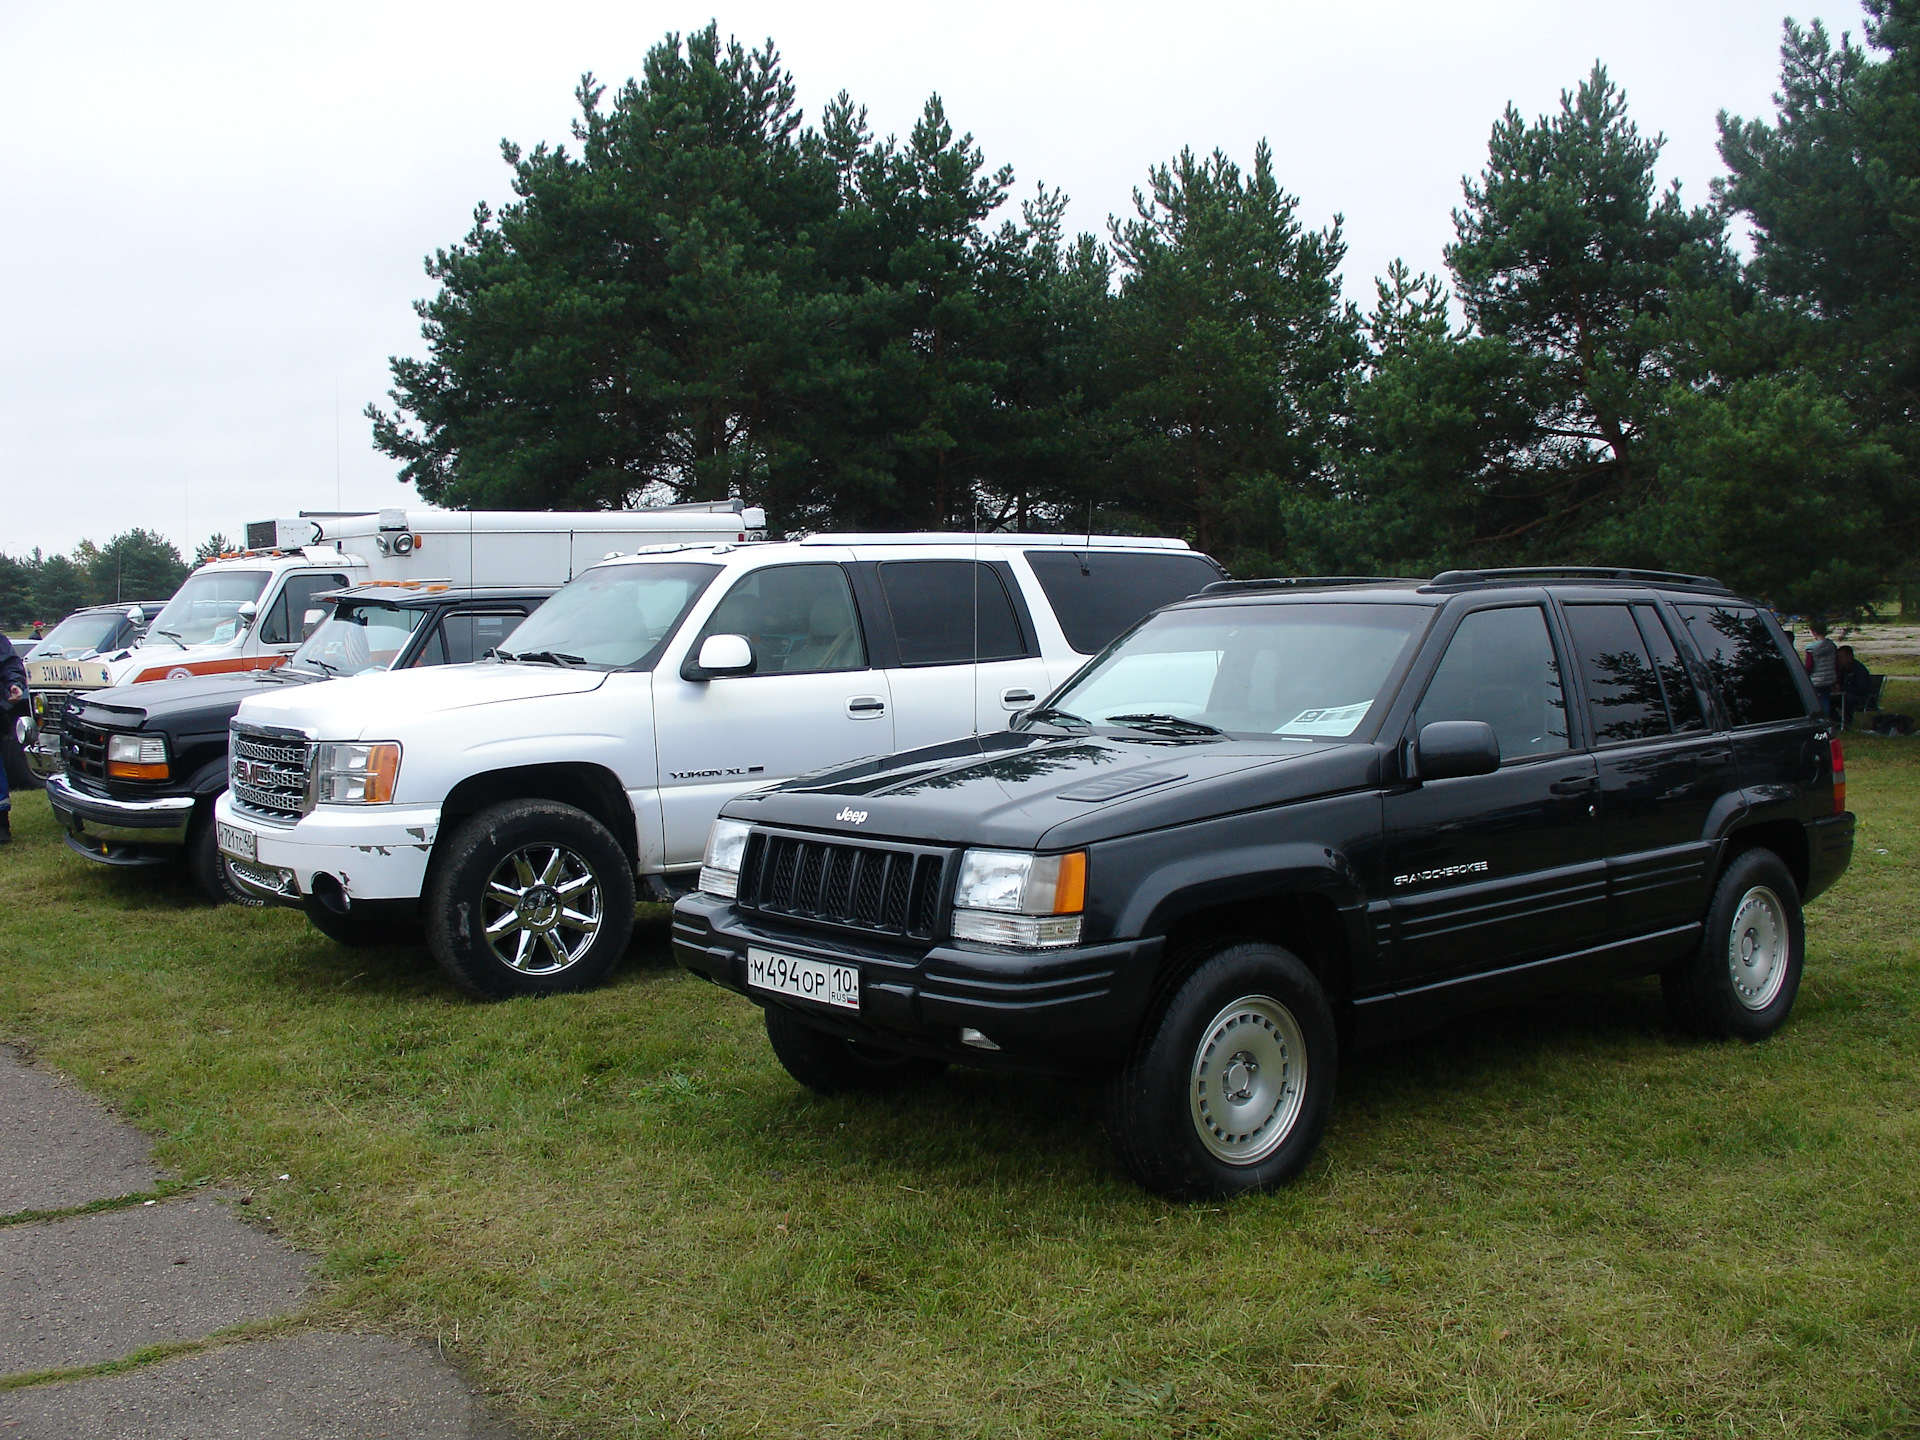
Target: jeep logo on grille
(852,817)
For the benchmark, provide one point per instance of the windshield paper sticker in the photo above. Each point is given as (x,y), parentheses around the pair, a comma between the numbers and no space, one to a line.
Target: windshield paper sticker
(1339,720)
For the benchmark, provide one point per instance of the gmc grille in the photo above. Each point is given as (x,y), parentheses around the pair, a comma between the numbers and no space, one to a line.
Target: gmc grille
(267,774)
(880,889)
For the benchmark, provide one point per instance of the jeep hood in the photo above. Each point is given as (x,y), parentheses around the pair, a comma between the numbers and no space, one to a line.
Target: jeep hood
(1026,790)
(354,707)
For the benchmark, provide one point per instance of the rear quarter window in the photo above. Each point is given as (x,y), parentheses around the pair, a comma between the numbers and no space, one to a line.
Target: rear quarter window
(1096,594)
(1754,676)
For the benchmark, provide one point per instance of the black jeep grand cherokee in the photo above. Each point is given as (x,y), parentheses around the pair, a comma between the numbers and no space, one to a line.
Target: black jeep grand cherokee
(1281,817)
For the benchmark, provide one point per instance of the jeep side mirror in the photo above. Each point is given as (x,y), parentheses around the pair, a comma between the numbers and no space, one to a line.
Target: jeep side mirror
(1450,749)
(721,655)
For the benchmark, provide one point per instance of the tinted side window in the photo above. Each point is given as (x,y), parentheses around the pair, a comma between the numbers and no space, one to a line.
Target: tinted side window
(1745,663)
(1683,701)
(284,620)
(464,638)
(1095,596)
(941,607)
(800,619)
(1623,689)
(1500,668)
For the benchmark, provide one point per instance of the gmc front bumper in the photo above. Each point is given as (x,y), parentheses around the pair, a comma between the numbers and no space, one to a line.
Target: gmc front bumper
(1055,1011)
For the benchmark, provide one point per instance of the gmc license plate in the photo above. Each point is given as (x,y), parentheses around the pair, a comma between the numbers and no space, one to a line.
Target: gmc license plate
(814,980)
(241,844)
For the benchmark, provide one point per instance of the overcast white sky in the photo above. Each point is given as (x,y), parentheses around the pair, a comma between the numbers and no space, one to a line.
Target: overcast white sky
(216,214)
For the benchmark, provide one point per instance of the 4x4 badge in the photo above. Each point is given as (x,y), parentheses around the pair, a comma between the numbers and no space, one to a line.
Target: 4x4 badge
(855,817)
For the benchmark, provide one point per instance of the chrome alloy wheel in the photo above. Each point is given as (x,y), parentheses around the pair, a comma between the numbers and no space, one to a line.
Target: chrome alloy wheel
(1249,1080)
(1758,943)
(542,908)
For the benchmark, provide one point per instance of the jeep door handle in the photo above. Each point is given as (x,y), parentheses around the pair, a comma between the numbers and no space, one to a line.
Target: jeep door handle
(866,707)
(1579,786)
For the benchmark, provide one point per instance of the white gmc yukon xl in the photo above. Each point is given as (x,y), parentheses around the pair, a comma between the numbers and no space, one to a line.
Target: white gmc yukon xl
(512,808)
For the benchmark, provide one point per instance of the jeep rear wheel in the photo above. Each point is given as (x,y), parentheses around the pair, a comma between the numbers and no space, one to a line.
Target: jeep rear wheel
(1230,1086)
(1742,981)
(530,897)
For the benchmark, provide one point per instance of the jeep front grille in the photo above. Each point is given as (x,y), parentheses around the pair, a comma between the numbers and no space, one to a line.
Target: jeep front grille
(267,774)
(881,889)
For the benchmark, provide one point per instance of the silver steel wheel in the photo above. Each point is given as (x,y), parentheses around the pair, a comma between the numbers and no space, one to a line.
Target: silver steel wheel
(1758,948)
(1249,1080)
(542,908)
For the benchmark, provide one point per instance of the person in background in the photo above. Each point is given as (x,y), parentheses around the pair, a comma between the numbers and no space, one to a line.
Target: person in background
(1853,684)
(1820,665)
(13,680)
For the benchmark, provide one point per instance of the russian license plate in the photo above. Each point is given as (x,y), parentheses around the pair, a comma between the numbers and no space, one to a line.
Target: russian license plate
(808,979)
(241,844)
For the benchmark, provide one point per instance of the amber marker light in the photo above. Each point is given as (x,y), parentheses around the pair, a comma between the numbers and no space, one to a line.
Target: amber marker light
(1070,889)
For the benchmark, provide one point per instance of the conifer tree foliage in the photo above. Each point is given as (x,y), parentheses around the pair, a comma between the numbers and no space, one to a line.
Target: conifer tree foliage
(1229,355)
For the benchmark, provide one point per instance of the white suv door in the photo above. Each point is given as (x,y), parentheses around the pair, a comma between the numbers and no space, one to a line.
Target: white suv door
(813,698)
(966,661)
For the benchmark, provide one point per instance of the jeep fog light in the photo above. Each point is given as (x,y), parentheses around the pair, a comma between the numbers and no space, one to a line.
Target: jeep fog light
(137,757)
(1008,897)
(720,870)
(351,774)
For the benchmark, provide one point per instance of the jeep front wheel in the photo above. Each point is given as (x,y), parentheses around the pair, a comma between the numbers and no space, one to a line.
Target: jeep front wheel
(1742,981)
(529,897)
(1230,1088)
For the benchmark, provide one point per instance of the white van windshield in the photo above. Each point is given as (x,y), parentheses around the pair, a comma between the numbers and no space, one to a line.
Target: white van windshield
(612,617)
(1307,670)
(206,610)
(78,636)
(359,635)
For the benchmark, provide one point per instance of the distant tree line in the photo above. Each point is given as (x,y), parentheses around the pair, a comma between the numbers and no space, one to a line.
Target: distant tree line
(133,565)
(702,297)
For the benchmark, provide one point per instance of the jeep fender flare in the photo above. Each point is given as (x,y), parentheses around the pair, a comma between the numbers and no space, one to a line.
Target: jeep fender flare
(1225,877)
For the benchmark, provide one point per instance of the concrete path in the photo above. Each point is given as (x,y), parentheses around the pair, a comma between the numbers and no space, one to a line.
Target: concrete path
(80,1289)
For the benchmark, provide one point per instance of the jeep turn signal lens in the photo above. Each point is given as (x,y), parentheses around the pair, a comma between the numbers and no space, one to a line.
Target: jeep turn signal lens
(1070,886)
(1839,778)
(1010,897)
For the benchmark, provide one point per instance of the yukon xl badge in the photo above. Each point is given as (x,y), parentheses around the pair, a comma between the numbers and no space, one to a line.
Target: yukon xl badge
(853,817)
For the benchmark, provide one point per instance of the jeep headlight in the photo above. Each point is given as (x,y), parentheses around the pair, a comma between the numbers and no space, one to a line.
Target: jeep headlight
(356,774)
(137,757)
(720,869)
(1009,897)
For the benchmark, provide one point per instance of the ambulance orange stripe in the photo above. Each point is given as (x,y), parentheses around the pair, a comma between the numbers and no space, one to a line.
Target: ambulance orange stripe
(210,667)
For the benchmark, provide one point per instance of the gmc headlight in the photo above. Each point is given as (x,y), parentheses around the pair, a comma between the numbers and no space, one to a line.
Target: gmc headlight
(137,757)
(355,774)
(720,869)
(1008,897)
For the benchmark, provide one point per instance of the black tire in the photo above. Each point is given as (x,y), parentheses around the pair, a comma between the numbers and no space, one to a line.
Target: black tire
(208,867)
(1170,1124)
(830,1065)
(1741,982)
(550,853)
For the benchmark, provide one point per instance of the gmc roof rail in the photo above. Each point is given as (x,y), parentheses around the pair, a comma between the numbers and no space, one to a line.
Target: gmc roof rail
(1576,572)
(1300,582)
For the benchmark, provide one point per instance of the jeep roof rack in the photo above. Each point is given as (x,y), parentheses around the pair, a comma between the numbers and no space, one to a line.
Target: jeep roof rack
(1301,582)
(1576,572)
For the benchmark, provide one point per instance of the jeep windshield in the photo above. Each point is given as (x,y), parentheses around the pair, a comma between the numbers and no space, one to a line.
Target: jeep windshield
(206,610)
(359,635)
(614,617)
(1308,670)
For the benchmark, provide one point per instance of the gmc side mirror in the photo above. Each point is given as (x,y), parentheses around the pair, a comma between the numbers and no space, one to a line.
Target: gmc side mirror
(721,655)
(1450,749)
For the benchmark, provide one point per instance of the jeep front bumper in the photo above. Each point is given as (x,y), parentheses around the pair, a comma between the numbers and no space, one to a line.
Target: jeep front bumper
(1057,1011)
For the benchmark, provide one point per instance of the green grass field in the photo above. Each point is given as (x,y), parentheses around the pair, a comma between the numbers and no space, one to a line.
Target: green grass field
(625,1220)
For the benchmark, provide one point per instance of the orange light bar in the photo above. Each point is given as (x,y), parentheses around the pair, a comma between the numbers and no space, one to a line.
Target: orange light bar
(1070,891)
(129,770)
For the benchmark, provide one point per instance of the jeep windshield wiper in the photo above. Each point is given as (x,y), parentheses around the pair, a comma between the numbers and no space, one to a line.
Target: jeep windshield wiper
(544,657)
(1054,715)
(1165,724)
